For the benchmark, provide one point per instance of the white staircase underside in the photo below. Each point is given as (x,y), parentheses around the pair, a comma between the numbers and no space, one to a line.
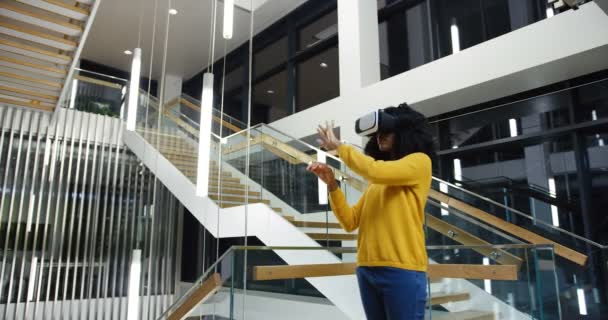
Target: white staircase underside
(11,11)
(59,7)
(36,36)
(14,46)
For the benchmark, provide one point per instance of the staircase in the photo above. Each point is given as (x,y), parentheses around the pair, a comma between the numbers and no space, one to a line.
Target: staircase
(169,145)
(40,41)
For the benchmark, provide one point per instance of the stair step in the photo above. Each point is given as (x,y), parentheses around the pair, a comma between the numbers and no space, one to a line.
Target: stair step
(193,172)
(59,7)
(37,36)
(25,14)
(233,191)
(231,185)
(34,52)
(443,298)
(463,315)
(238,199)
(314,224)
(31,67)
(23,103)
(231,205)
(332,236)
(37,94)
(226,182)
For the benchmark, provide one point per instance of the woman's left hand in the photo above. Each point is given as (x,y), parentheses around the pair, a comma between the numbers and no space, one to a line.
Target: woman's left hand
(328,139)
(324,173)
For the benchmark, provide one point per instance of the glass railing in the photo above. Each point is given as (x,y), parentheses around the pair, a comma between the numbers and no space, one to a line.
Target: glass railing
(270,168)
(96,93)
(581,263)
(301,283)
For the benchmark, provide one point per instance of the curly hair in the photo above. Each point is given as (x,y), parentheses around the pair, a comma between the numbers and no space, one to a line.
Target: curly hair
(413,134)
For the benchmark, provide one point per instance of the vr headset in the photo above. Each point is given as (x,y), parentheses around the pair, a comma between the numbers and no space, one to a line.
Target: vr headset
(374,122)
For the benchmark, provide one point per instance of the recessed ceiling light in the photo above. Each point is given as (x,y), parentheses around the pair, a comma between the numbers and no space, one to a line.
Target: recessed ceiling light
(270,91)
(128,52)
(172,12)
(323,65)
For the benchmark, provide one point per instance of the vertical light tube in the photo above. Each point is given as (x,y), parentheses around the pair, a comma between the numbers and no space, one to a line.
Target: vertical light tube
(228,18)
(204,137)
(444,188)
(457,170)
(455,37)
(134,279)
(134,89)
(513,127)
(32,280)
(554,211)
(74,92)
(487,284)
(582,304)
(322,158)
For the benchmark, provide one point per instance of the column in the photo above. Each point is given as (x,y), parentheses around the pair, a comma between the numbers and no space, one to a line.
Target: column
(359,48)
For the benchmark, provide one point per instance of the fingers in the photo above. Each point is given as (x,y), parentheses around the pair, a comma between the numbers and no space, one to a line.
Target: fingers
(317,167)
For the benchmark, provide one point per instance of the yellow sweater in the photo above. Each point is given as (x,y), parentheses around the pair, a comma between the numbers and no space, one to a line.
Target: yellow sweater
(390,213)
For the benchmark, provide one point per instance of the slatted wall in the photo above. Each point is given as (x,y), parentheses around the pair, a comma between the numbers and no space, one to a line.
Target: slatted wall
(74,206)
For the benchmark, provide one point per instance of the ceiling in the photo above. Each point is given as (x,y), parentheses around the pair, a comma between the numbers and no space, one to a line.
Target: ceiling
(115,30)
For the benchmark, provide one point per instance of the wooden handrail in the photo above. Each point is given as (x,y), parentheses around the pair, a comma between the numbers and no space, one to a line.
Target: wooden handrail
(98,82)
(515,230)
(292,155)
(458,271)
(194,107)
(295,156)
(202,293)
(477,244)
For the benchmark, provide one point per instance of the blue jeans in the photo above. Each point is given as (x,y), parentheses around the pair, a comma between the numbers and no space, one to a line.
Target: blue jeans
(391,293)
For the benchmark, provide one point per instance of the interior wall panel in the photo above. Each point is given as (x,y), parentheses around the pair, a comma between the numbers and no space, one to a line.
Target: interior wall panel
(74,204)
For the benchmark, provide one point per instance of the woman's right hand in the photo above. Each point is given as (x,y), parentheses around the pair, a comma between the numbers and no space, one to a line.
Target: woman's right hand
(325,173)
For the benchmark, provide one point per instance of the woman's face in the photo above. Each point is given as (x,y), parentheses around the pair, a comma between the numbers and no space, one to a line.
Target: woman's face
(385,141)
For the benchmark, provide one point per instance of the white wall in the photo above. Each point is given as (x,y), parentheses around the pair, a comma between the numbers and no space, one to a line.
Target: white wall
(568,45)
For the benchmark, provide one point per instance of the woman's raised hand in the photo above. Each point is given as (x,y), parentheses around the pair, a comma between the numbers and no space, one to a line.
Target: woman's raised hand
(328,139)
(324,173)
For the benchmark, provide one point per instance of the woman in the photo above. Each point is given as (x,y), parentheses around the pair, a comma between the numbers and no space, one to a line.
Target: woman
(391,258)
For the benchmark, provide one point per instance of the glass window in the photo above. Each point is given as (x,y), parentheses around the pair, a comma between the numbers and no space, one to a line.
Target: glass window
(270,102)
(318,79)
(233,93)
(460,24)
(405,41)
(597,153)
(524,117)
(270,57)
(321,29)
(592,102)
(497,17)
(384,58)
